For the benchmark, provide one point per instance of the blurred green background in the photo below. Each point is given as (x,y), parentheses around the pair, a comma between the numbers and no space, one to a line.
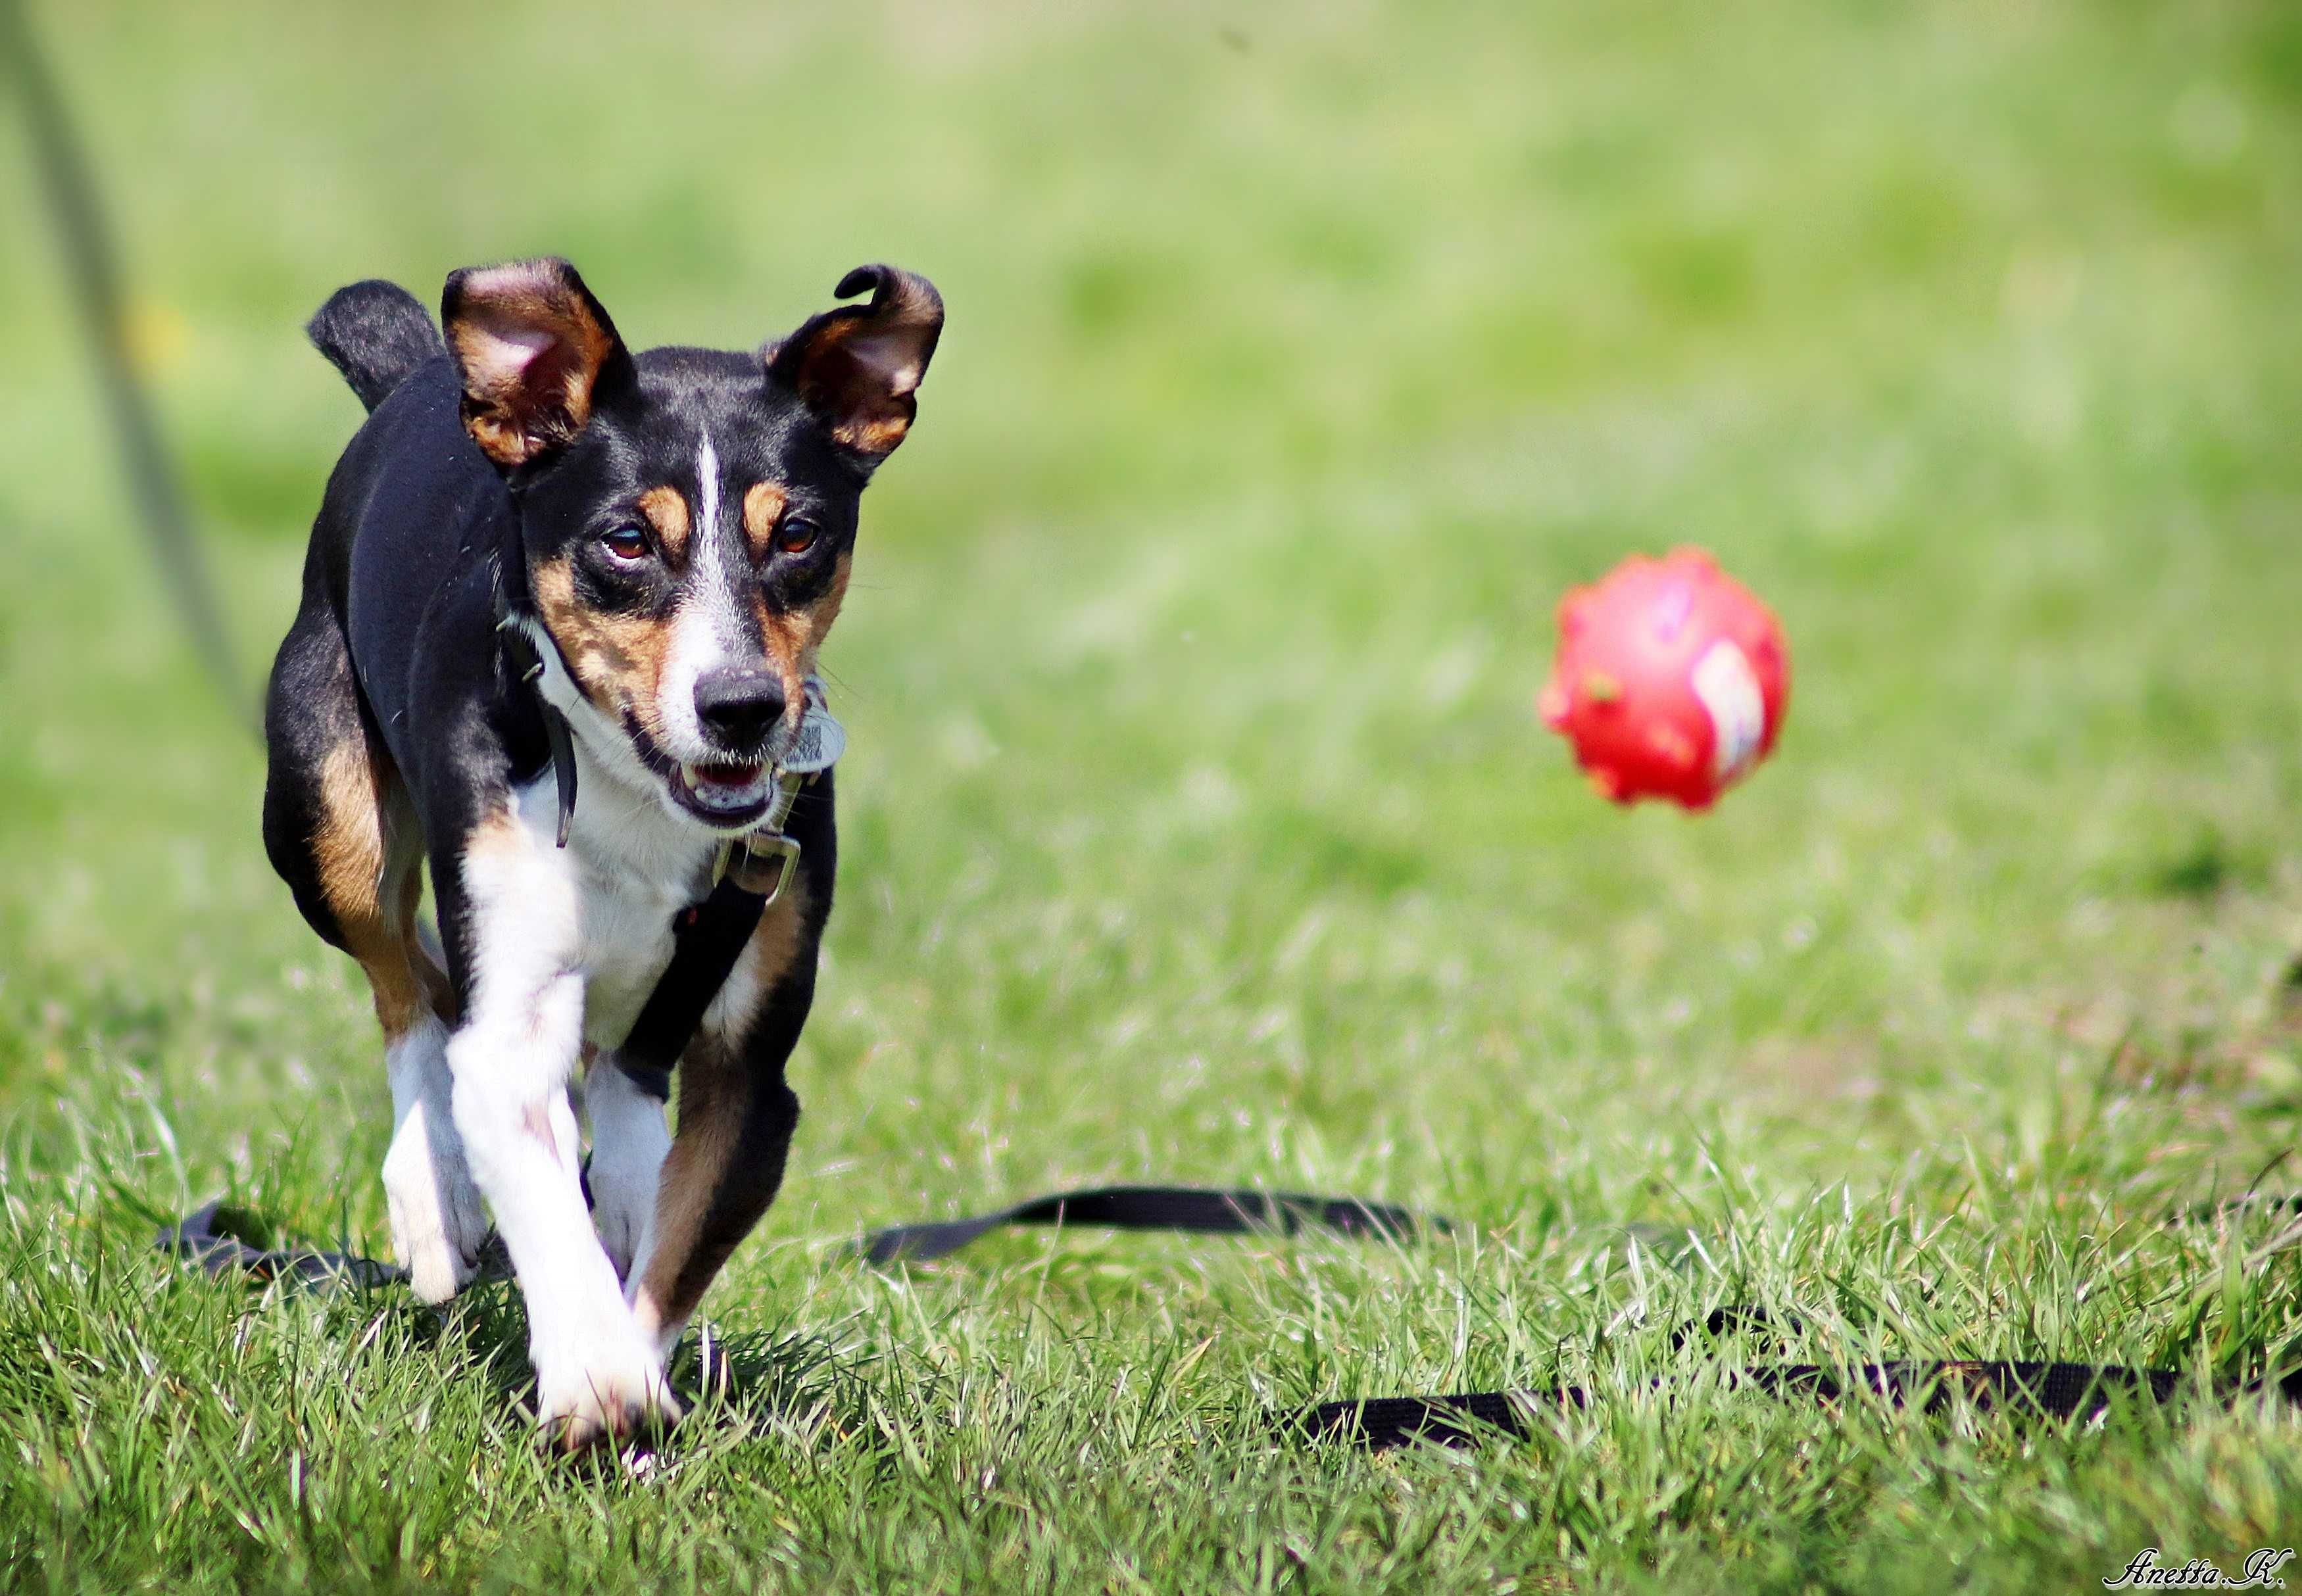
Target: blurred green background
(1196,823)
(1297,357)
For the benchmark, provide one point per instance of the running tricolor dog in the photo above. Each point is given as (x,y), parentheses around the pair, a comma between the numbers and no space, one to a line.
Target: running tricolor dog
(557,647)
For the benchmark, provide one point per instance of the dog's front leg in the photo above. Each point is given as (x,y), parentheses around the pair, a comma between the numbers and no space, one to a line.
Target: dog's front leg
(735,1121)
(521,942)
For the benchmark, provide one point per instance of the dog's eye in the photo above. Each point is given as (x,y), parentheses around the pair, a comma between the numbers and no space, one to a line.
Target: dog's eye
(797,536)
(626,542)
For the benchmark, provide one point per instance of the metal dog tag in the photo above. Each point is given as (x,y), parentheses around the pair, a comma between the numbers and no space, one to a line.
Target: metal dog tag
(819,740)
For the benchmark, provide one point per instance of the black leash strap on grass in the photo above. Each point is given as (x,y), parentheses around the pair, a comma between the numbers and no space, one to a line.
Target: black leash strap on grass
(1191,1210)
(225,1241)
(2063,1391)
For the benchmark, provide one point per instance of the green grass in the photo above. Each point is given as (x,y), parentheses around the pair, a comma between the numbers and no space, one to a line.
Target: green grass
(1197,827)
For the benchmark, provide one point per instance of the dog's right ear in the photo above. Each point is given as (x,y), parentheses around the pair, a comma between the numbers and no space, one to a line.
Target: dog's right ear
(534,348)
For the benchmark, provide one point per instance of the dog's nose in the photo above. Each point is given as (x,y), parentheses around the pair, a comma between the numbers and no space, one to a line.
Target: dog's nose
(739,707)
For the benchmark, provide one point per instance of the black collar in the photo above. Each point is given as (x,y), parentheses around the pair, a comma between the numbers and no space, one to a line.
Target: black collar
(523,663)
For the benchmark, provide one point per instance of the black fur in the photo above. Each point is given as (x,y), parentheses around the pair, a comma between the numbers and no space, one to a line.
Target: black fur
(395,652)
(375,333)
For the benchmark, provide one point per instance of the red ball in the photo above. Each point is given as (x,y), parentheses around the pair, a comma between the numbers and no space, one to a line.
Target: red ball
(1670,679)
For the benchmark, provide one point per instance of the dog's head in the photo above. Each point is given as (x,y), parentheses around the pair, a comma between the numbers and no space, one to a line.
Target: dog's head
(688,515)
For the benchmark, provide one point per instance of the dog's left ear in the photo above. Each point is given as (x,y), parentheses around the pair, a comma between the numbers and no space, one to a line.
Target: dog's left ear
(858,367)
(534,348)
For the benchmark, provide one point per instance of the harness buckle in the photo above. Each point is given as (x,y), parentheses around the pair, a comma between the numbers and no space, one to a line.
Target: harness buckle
(750,858)
(764,865)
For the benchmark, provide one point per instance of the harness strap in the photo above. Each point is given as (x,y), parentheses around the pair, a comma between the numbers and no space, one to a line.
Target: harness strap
(707,939)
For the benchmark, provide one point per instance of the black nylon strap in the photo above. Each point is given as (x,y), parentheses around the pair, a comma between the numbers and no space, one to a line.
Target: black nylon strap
(218,1239)
(2063,1391)
(557,733)
(1192,1210)
(2060,1389)
(527,664)
(707,939)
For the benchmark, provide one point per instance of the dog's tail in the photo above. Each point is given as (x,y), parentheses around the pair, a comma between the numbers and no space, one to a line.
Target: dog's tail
(375,333)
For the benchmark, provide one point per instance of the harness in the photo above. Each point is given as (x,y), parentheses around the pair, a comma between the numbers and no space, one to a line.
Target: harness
(750,872)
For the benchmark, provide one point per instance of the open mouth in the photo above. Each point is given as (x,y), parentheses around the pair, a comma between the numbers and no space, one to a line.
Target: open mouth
(725,793)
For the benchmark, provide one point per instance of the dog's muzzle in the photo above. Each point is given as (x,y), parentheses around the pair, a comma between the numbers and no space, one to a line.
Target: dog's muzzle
(762,859)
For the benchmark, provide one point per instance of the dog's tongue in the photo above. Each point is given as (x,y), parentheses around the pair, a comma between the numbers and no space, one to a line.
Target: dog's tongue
(727,775)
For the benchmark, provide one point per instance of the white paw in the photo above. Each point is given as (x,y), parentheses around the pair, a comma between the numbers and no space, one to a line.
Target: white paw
(602,1393)
(437,1220)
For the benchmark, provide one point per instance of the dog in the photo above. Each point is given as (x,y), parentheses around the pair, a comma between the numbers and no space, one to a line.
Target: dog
(557,648)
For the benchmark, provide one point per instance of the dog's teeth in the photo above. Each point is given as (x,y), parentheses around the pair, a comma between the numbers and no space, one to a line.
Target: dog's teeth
(724,788)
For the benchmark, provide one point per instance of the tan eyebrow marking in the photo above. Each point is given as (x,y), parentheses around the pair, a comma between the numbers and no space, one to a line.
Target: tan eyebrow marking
(667,511)
(763,507)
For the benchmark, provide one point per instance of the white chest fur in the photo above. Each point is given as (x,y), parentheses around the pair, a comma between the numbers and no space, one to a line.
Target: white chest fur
(632,867)
(632,863)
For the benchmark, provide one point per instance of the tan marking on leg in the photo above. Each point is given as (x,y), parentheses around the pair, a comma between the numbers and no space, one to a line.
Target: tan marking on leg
(665,510)
(713,1098)
(716,1092)
(774,945)
(430,980)
(377,917)
(349,848)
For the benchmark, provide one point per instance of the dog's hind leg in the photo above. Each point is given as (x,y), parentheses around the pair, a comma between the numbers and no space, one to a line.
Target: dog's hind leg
(629,1139)
(341,832)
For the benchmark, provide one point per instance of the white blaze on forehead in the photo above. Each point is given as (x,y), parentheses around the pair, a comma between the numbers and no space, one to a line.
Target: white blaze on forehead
(712,576)
(707,484)
(707,630)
